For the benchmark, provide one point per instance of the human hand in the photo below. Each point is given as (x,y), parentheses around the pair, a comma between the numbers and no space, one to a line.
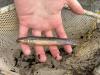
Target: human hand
(44,17)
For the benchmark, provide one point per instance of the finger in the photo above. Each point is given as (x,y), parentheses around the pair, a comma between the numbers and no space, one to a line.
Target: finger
(23,31)
(39,49)
(61,33)
(53,49)
(75,6)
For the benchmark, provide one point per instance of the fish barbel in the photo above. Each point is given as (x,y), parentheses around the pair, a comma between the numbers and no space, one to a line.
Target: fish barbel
(35,40)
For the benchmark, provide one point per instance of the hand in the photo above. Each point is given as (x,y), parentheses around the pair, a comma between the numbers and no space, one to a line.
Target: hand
(44,16)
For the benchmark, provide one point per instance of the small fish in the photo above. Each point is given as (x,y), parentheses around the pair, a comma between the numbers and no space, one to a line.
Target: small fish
(35,40)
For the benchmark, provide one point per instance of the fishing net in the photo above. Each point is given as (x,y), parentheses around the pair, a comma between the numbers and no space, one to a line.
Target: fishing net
(75,26)
(8,35)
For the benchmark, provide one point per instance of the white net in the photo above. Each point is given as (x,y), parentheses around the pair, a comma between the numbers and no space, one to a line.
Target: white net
(75,26)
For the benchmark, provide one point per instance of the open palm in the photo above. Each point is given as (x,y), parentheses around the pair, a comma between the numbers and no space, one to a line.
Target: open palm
(44,17)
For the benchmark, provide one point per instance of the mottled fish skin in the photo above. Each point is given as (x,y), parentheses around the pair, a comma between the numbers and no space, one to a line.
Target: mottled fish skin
(31,40)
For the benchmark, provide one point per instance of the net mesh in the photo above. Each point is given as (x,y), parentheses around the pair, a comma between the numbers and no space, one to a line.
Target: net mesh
(75,26)
(8,29)
(8,35)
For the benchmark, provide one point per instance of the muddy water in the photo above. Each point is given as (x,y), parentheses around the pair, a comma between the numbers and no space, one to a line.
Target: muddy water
(84,59)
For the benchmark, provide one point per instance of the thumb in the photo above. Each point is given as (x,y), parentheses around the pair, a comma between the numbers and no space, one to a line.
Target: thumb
(75,6)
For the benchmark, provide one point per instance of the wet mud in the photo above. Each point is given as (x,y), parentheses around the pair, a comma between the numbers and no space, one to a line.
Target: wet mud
(85,57)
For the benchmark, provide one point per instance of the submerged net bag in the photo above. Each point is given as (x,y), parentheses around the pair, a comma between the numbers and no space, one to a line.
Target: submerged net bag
(8,35)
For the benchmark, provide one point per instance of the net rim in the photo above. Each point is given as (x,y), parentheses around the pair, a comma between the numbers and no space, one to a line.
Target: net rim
(7,8)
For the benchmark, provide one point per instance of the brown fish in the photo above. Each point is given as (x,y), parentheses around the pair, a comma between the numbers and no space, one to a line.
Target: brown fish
(35,40)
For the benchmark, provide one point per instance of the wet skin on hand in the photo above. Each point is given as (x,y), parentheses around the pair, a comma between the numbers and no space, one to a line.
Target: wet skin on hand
(44,16)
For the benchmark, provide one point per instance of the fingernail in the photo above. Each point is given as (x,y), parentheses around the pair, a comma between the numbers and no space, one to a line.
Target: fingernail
(42,58)
(28,52)
(69,51)
(58,57)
